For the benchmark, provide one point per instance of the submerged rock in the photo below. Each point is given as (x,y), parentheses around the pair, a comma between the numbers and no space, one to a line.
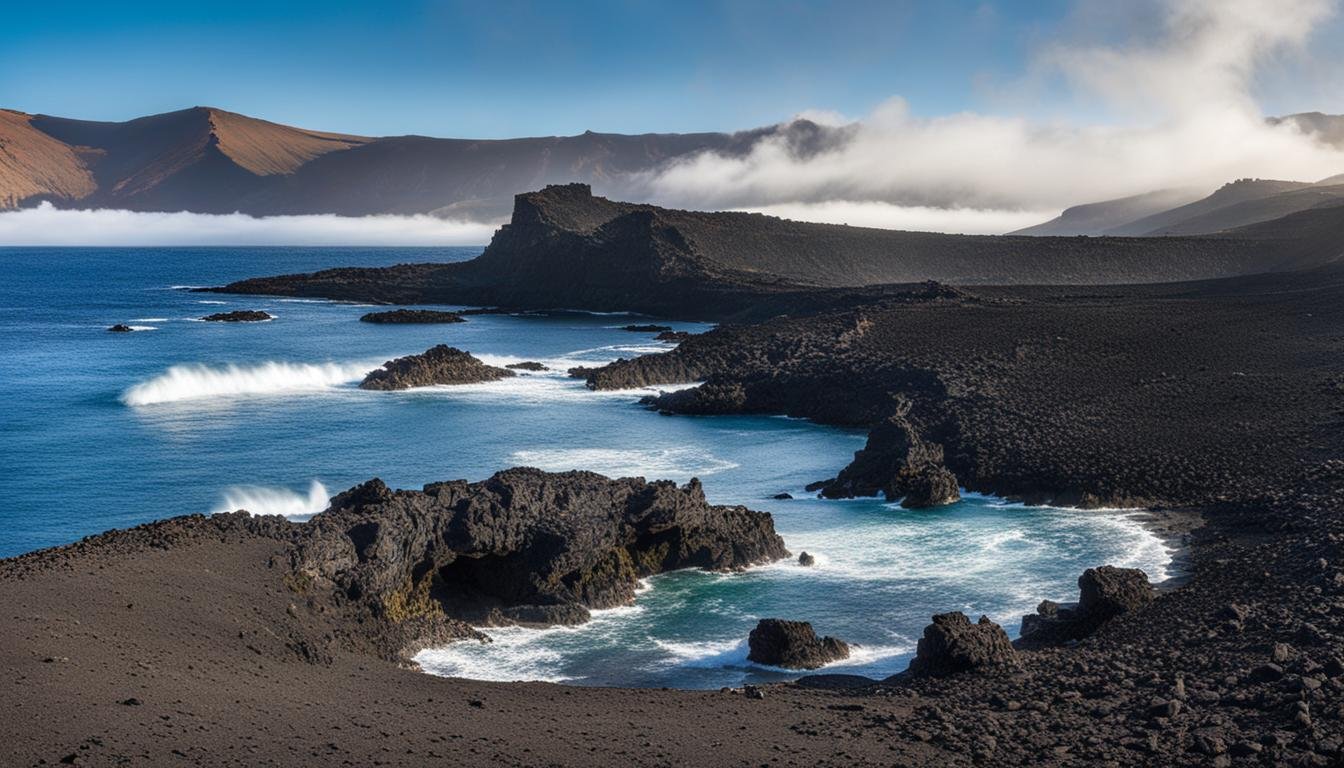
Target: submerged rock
(412,316)
(647,328)
(438,365)
(121,328)
(793,645)
(952,644)
(1103,594)
(239,316)
(527,365)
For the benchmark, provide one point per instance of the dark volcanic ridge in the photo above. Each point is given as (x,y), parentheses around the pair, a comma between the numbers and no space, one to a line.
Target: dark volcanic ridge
(565,247)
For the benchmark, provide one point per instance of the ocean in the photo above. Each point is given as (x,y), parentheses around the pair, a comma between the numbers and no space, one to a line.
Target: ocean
(103,430)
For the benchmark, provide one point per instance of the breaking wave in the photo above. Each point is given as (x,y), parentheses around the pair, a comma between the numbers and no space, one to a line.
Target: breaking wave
(262,500)
(196,381)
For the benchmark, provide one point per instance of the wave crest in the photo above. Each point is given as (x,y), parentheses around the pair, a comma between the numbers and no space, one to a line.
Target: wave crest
(196,381)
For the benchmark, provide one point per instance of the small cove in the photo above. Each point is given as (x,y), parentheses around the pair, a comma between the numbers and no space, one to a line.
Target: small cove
(111,430)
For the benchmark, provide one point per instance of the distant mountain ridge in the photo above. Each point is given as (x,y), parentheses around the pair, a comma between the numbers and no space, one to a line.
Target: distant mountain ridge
(1237,204)
(209,160)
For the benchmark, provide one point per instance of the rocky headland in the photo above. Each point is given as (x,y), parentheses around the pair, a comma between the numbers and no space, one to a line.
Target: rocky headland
(566,248)
(437,365)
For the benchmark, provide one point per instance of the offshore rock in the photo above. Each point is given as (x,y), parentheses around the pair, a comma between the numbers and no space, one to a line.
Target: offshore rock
(793,645)
(437,365)
(121,328)
(412,316)
(239,316)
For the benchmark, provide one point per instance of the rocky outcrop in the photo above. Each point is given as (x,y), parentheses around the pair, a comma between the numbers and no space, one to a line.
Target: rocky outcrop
(1103,594)
(527,365)
(647,328)
(238,316)
(120,328)
(437,365)
(793,645)
(412,317)
(806,560)
(899,464)
(524,546)
(675,337)
(952,644)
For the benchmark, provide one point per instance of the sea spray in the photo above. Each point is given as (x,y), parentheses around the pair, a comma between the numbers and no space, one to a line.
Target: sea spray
(262,500)
(196,381)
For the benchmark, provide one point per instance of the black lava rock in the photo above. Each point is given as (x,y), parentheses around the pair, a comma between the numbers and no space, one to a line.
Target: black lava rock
(793,645)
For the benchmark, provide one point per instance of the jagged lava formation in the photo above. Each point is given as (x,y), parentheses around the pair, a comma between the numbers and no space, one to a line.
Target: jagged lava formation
(565,248)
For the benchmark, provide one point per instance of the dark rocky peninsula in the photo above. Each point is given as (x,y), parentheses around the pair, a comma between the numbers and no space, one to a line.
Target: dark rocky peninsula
(437,365)
(239,316)
(412,316)
(565,247)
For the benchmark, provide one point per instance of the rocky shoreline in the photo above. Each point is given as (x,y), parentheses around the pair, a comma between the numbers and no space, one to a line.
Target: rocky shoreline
(1221,400)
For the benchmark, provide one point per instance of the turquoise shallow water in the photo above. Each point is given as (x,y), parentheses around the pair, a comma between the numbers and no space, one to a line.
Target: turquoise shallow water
(106,430)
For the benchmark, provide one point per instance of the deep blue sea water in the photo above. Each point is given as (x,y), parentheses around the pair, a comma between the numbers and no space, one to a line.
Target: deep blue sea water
(104,430)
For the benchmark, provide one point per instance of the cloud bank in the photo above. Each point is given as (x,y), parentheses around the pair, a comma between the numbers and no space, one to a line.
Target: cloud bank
(1184,116)
(48,225)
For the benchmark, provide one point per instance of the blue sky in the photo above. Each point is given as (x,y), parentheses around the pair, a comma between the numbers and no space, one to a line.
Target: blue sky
(507,68)
(513,68)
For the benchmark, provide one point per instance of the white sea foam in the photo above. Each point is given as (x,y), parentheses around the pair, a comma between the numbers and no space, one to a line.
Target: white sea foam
(664,463)
(142,327)
(195,381)
(262,500)
(149,320)
(209,301)
(522,653)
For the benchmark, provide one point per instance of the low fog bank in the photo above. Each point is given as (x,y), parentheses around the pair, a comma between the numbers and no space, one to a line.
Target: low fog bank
(48,225)
(1172,105)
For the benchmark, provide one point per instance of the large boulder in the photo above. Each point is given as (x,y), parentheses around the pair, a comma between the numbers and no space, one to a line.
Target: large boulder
(899,464)
(793,645)
(524,546)
(1103,593)
(437,365)
(952,644)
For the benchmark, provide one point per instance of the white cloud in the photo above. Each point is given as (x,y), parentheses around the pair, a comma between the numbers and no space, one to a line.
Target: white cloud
(1186,119)
(48,225)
